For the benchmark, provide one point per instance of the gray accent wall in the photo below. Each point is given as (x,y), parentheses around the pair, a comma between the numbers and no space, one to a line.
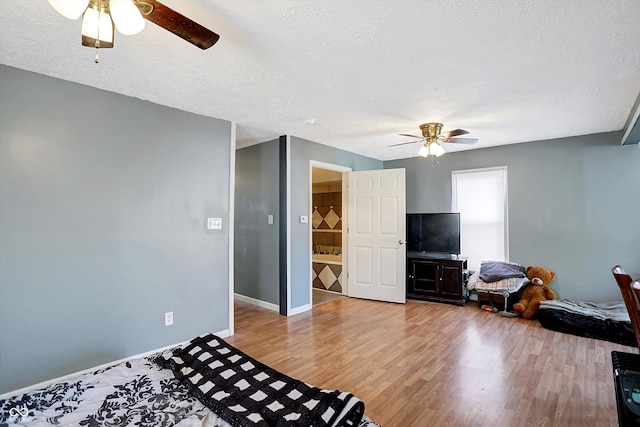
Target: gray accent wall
(302,152)
(103,207)
(573,205)
(256,241)
(258,172)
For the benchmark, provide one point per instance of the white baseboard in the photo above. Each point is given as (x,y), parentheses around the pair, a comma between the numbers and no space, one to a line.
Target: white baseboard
(259,303)
(221,334)
(300,309)
(271,306)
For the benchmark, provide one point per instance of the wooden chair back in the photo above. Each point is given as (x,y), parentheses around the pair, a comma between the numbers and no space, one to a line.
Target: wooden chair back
(635,289)
(631,297)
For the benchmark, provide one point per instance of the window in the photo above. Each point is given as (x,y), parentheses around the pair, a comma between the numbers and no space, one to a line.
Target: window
(480,195)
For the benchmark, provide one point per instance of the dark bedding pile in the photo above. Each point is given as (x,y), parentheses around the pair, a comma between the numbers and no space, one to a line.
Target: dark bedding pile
(493,271)
(246,392)
(603,321)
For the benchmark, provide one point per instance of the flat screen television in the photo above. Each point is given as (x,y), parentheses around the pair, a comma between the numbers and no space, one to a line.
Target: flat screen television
(434,232)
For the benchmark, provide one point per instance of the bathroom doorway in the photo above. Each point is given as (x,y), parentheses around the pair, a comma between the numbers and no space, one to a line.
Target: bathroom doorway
(328,232)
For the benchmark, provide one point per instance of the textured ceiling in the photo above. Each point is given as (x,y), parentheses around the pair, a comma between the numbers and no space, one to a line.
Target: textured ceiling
(508,71)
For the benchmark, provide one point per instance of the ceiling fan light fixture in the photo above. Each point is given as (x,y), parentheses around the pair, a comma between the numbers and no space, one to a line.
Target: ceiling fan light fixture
(71,9)
(431,148)
(432,139)
(436,149)
(97,26)
(126,16)
(130,16)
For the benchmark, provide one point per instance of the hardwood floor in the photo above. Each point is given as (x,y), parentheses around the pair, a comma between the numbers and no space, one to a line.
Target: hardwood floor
(320,297)
(430,364)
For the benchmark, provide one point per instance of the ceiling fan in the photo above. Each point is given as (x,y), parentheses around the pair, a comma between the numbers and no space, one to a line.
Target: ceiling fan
(128,16)
(433,139)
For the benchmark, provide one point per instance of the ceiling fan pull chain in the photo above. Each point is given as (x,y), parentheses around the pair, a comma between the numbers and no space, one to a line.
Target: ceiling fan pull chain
(97,58)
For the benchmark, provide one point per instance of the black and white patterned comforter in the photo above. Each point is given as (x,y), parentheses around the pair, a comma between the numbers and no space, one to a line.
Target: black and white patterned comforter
(248,393)
(136,392)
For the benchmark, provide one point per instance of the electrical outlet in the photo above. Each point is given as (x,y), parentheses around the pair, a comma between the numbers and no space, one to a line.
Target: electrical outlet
(168,318)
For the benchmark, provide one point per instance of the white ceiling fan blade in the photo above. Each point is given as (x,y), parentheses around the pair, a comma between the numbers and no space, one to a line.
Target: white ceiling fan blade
(71,9)
(405,143)
(126,16)
(467,141)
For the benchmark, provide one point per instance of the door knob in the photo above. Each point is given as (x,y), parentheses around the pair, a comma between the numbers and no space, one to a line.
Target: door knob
(402,242)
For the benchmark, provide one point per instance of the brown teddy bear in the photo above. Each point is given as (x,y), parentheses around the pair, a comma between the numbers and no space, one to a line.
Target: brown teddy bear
(537,290)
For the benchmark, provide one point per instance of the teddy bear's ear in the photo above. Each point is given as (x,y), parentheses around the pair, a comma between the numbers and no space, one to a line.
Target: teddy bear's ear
(529,268)
(553,275)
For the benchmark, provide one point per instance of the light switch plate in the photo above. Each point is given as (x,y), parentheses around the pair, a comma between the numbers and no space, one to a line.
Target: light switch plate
(168,318)
(304,219)
(270,219)
(214,223)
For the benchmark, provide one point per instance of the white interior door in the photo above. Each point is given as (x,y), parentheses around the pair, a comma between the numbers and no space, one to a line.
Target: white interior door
(376,243)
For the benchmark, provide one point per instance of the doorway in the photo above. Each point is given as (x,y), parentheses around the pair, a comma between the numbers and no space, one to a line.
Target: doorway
(328,232)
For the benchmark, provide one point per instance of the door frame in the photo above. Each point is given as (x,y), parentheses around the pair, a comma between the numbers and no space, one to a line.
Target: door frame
(345,200)
(231,227)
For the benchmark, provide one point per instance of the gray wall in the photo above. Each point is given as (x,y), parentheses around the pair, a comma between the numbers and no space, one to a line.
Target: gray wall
(103,200)
(256,241)
(302,152)
(573,205)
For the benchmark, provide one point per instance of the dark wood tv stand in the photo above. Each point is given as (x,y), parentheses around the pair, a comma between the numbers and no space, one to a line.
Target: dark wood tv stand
(436,277)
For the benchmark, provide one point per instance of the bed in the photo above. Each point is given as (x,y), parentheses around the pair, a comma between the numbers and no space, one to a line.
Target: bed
(497,283)
(605,321)
(204,383)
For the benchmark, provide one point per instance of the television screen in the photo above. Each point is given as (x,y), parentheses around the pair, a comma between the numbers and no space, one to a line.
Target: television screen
(434,232)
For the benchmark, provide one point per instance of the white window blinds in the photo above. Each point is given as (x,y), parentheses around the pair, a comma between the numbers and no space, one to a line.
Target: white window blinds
(480,195)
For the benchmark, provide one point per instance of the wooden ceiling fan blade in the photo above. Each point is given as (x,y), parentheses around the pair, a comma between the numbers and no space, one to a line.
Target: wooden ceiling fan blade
(411,136)
(467,141)
(176,23)
(405,143)
(455,132)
